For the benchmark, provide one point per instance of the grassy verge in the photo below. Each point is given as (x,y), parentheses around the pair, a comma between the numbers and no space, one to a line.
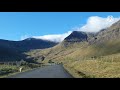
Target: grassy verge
(10,74)
(107,67)
(8,70)
(77,74)
(71,71)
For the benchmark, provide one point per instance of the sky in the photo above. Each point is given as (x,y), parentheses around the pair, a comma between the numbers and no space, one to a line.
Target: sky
(54,26)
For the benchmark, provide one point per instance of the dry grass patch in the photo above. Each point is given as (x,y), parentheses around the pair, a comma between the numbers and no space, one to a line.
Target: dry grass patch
(100,68)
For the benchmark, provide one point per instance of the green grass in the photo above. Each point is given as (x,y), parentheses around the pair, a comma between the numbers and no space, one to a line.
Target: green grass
(7,70)
(10,74)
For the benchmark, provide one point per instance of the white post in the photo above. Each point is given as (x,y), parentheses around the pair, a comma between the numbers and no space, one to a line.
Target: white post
(20,69)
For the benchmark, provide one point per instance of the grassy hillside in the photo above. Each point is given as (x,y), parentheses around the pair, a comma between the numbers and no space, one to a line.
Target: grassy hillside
(77,51)
(96,63)
(102,67)
(83,60)
(55,53)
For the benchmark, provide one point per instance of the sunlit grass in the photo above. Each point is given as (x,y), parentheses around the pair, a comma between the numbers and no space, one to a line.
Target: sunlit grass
(7,70)
(104,67)
(77,58)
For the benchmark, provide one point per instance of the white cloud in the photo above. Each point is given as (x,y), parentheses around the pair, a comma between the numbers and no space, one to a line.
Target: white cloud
(96,23)
(54,37)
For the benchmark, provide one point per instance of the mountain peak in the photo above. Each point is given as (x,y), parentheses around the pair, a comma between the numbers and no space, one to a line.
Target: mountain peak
(76,36)
(30,38)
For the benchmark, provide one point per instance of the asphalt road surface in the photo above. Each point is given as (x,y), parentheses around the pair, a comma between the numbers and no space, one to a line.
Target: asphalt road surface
(54,71)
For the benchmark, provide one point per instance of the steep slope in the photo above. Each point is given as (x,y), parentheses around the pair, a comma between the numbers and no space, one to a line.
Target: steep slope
(72,43)
(105,42)
(80,44)
(13,50)
(8,51)
(78,36)
(87,55)
(110,34)
(32,43)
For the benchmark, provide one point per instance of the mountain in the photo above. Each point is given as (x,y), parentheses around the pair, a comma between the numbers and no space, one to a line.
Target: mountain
(32,43)
(86,55)
(78,36)
(81,44)
(77,45)
(13,50)
(69,45)
(110,34)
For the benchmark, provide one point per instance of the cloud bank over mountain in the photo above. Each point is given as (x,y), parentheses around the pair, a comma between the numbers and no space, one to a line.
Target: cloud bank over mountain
(54,37)
(93,24)
(96,23)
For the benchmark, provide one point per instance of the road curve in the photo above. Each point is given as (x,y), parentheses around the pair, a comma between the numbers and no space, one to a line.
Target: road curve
(54,71)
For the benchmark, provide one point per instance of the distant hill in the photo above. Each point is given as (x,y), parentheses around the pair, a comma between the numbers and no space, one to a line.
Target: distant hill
(32,43)
(13,50)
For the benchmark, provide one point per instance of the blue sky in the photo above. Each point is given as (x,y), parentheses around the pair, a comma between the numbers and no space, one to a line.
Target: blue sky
(14,25)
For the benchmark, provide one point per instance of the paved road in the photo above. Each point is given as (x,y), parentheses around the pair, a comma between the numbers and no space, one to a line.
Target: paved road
(54,71)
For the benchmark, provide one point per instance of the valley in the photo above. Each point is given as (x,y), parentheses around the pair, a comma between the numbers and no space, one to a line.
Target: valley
(82,54)
(77,51)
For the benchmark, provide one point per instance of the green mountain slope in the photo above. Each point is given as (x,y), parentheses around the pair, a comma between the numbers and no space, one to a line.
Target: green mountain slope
(14,50)
(82,52)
